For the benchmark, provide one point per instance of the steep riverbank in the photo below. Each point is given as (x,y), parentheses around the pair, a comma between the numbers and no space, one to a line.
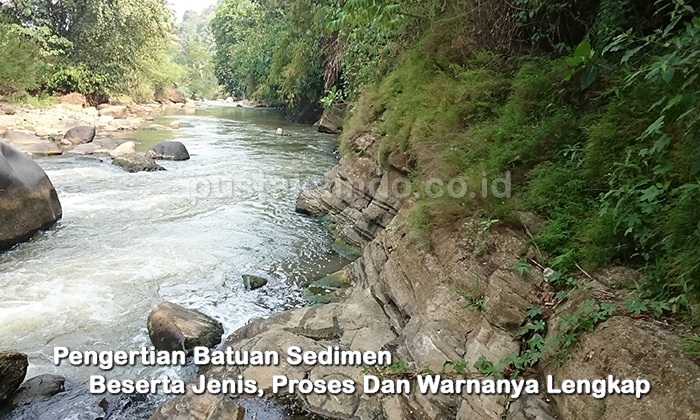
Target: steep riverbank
(444,308)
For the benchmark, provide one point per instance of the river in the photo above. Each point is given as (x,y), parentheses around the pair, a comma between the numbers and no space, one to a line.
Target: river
(128,242)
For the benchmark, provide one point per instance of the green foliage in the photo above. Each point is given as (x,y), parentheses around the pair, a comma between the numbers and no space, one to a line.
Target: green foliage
(534,349)
(334,96)
(522,268)
(475,297)
(78,79)
(486,367)
(90,46)
(690,346)
(195,55)
(19,69)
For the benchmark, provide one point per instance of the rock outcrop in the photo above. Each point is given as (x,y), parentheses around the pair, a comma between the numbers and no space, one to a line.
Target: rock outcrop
(31,144)
(13,369)
(331,121)
(28,200)
(173,327)
(455,301)
(169,150)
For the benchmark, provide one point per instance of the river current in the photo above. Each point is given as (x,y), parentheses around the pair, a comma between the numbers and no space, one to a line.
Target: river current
(128,242)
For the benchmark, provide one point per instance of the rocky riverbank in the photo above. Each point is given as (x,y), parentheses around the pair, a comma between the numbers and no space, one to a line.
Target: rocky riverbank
(42,131)
(445,306)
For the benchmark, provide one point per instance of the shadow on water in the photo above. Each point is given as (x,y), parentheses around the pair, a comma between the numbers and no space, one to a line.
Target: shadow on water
(128,242)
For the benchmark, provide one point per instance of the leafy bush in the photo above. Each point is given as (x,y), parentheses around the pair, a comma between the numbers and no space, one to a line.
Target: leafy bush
(80,79)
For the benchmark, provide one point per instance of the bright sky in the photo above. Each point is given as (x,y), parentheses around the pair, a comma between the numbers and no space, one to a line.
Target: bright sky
(181,6)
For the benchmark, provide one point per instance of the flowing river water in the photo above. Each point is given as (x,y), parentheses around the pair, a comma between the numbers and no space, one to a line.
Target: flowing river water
(128,242)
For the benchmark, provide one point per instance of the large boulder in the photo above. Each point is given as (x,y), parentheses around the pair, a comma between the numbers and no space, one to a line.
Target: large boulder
(175,96)
(118,112)
(38,388)
(13,369)
(137,162)
(170,150)
(174,327)
(80,135)
(126,148)
(28,200)
(332,120)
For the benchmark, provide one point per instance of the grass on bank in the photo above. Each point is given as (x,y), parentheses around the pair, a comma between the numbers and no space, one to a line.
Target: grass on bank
(580,158)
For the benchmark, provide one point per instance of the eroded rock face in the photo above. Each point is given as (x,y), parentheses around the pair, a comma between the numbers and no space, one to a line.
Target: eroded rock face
(459,300)
(629,349)
(13,369)
(80,135)
(173,327)
(137,162)
(169,150)
(357,199)
(28,200)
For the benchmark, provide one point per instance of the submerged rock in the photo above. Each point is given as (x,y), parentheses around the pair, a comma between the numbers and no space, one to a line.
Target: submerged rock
(137,162)
(28,200)
(13,369)
(170,150)
(39,387)
(173,327)
(252,282)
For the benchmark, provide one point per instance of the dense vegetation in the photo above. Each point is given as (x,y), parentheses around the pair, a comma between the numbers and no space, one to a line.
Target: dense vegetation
(98,48)
(591,105)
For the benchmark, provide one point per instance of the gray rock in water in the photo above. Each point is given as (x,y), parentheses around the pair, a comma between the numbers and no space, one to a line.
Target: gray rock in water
(80,135)
(252,282)
(28,200)
(137,162)
(13,369)
(37,388)
(124,406)
(170,150)
(173,327)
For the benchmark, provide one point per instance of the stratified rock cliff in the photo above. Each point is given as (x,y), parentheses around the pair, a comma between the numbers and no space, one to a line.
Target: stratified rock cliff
(458,300)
